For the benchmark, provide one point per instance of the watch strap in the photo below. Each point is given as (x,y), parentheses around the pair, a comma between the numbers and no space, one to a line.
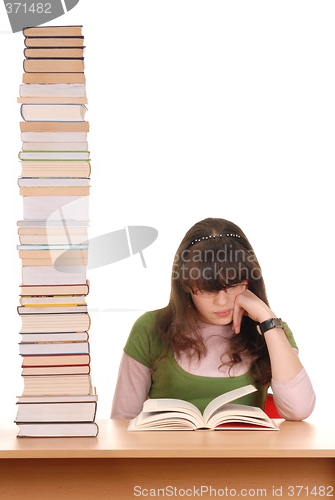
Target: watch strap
(269,324)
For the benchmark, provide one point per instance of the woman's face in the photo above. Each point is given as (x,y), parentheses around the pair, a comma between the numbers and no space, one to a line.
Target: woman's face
(217,308)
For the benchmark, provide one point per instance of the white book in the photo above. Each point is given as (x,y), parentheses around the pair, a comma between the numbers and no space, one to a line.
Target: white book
(56,412)
(53,112)
(52,181)
(52,146)
(48,247)
(52,239)
(36,349)
(48,275)
(53,208)
(60,429)
(54,155)
(54,137)
(53,223)
(52,90)
(53,337)
(58,399)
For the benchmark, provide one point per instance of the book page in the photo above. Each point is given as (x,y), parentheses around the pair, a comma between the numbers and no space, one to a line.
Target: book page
(164,420)
(239,413)
(223,399)
(170,404)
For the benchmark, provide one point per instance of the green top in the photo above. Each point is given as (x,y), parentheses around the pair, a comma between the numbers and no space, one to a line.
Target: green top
(169,380)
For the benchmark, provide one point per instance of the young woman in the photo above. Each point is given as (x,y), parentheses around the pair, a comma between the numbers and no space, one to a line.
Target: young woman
(217,333)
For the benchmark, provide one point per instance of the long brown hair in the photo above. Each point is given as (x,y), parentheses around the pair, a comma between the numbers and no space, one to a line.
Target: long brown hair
(213,254)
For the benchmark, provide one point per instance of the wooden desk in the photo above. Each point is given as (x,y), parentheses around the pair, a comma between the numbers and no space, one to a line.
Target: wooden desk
(296,462)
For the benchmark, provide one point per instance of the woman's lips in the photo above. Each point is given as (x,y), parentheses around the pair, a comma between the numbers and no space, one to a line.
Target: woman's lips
(223,314)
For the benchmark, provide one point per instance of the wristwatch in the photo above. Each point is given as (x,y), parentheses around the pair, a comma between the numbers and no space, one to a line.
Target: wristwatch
(269,324)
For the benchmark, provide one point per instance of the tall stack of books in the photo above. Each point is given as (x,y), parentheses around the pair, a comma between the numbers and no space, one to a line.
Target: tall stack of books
(58,396)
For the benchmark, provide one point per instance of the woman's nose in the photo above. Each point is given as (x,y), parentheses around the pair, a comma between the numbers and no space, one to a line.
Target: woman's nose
(221,297)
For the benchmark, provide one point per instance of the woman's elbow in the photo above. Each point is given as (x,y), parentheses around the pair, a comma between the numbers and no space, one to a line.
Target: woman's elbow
(297,410)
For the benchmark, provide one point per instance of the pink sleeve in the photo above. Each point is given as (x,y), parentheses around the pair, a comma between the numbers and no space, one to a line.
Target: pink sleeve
(295,398)
(132,387)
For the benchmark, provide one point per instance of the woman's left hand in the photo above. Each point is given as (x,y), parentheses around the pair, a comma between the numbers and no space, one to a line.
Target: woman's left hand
(285,364)
(247,303)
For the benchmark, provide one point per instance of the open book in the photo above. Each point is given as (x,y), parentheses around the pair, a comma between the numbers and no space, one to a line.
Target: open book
(219,414)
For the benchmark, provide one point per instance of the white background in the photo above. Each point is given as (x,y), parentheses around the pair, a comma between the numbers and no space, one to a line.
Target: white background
(196,109)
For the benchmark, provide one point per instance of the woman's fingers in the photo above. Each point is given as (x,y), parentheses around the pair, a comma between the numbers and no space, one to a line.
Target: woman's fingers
(238,314)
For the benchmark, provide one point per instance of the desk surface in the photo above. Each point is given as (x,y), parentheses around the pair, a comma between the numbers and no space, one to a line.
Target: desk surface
(293,440)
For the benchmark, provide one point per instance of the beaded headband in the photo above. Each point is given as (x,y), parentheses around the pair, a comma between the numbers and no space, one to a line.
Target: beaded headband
(210,237)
